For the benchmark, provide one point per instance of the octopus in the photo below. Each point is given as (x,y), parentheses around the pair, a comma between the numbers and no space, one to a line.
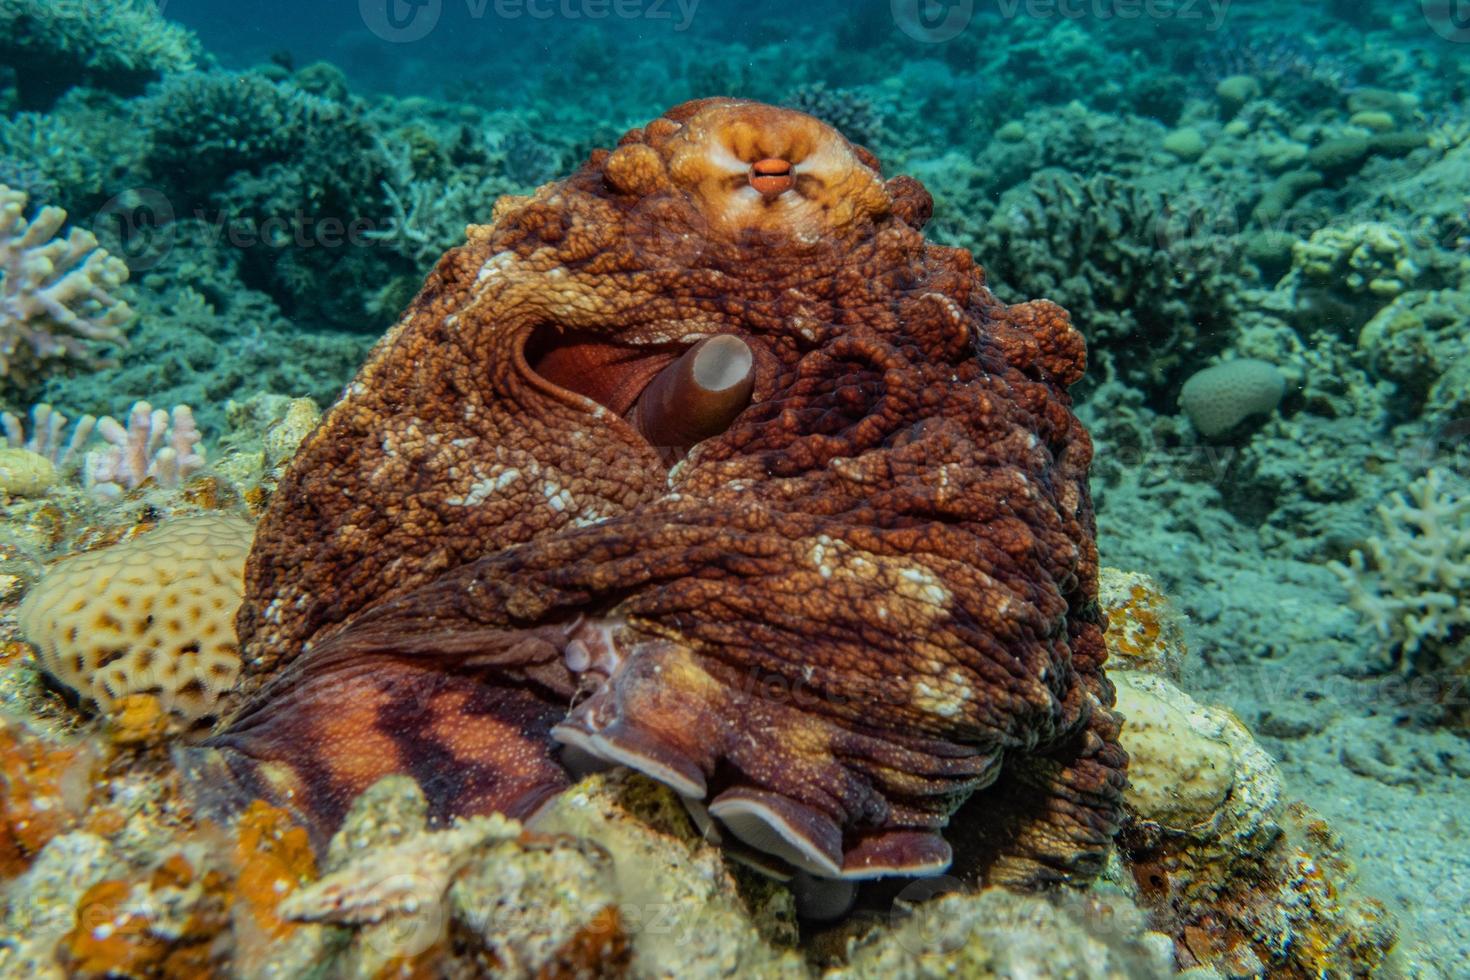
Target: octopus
(704,462)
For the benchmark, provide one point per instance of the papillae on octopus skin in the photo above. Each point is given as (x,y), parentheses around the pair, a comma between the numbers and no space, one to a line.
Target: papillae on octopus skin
(889,511)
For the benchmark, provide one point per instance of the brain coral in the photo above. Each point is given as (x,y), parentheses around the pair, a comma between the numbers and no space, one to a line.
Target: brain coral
(1219,398)
(152,615)
(703,461)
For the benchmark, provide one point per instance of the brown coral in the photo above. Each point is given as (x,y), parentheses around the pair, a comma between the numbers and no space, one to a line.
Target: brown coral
(866,599)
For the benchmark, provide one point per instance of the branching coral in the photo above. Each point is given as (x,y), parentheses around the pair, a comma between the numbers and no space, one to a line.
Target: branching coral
(57,295)
(1413,586)
(48,435)
(154,445)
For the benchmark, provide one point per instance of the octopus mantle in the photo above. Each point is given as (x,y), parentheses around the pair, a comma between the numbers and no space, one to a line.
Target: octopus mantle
(870,595)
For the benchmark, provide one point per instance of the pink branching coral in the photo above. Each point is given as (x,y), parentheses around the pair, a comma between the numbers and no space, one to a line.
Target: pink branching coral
(153,446)
(57,295)
(48,435)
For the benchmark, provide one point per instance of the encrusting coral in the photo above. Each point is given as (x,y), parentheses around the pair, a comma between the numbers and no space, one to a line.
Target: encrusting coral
(57,295)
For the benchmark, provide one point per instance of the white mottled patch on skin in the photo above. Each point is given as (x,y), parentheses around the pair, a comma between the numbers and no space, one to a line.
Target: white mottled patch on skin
(488,485)
(557,498)
(950,307)
(921,585)
(495,265)
(820,552)
(947,698)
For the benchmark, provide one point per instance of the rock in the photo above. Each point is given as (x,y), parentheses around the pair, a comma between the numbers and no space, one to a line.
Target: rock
(1145,630)
(1247,884)
(999,934)
(1282,194)
(1341,156)
(24,473)
(1378,122)
(1186,144)
(1234,92)
(41,904)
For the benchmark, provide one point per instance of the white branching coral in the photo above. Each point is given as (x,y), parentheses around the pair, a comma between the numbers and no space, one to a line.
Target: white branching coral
(154,445)
(57,295)
(1414,584)
(48,436)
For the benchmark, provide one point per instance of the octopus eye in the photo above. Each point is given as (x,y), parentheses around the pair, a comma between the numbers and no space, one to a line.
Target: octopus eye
(772,176)
(674,399)
(698,396)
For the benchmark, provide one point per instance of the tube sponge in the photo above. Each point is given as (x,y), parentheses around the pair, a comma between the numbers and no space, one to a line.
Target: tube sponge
(152,615)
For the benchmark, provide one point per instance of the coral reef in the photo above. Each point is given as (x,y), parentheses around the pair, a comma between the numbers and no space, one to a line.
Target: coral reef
(1347,274)
(1145,631)
(1130,265)
(57,295)
(1246,883)
(1322,148)
(1418,342)
(48,436)
(47,788)
(850,113)
(118,45)
(25,474)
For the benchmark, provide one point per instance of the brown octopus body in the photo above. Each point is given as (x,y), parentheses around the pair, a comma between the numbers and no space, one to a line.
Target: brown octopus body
(867,596)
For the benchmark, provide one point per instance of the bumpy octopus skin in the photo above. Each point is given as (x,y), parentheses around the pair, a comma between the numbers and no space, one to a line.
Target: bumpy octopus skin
(867,598)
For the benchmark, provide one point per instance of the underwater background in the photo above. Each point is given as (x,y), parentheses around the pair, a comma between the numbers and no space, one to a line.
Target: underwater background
(1257,213)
